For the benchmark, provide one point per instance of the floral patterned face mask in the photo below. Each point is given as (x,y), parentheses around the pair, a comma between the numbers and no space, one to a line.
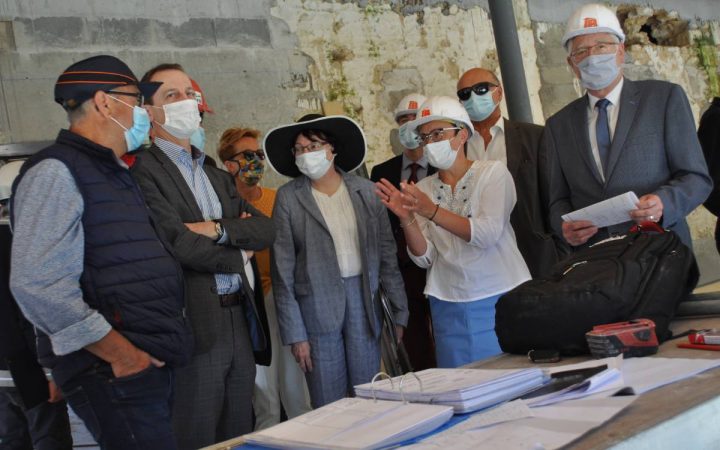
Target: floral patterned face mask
(250,166)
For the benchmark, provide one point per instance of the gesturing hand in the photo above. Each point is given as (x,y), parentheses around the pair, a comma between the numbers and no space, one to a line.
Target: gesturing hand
(392,198)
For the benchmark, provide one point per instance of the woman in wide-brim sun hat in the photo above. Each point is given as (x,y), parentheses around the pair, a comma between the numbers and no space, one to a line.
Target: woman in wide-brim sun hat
(333,247)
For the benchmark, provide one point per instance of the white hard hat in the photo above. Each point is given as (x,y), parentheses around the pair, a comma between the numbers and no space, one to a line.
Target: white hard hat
(409,104)
(443,108)
(592,18)
(8,173)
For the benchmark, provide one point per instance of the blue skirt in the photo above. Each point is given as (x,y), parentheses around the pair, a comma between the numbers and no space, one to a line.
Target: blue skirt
(464,331)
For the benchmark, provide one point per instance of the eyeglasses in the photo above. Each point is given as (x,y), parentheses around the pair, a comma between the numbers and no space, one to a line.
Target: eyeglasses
(481,88)
(314,146)
(138,95)
(249,155)
(601,48)
(436,135)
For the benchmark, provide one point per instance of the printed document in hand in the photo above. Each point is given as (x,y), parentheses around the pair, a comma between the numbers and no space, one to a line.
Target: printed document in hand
(465,390)
(607,212)
(353,424)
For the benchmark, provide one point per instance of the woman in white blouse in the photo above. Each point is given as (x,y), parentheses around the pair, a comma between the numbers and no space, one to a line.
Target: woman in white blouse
(333,246)
(457,225)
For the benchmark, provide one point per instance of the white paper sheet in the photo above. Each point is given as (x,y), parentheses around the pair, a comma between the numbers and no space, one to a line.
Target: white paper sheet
(608,381)
(646,374)
(550,428)
(607,212)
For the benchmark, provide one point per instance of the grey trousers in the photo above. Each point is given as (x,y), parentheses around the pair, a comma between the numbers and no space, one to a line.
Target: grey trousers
(346,357)
(213,395)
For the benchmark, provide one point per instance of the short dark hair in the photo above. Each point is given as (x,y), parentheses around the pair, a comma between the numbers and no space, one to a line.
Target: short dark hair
(157,69)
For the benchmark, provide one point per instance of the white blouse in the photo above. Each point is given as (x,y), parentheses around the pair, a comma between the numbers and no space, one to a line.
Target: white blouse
(490,264)
(339,214)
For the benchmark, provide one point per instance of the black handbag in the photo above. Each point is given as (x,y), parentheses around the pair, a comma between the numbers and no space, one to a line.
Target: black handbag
(643,274)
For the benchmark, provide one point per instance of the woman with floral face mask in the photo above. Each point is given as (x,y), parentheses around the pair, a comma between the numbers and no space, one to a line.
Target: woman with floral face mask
(333,246)
(457,225)
(282,382)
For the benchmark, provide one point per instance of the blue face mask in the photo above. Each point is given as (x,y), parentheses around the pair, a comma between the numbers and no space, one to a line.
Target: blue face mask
(197,139)
(598,71)
(479,107)
(135,135)
(408,136)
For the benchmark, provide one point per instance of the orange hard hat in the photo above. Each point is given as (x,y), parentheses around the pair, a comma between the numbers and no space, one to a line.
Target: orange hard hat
(202,102)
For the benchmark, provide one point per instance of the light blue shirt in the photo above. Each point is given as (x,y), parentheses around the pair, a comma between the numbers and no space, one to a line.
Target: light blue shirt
(190,166)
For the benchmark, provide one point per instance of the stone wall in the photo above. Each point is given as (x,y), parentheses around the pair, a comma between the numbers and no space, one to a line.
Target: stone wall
(264,63)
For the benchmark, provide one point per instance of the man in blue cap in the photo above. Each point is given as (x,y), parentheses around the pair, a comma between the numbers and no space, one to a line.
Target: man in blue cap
(89,270)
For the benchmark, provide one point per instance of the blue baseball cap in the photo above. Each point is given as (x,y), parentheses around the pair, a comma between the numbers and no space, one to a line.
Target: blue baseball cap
(83,79)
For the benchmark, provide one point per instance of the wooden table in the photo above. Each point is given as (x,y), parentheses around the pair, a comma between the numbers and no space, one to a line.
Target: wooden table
(682,415)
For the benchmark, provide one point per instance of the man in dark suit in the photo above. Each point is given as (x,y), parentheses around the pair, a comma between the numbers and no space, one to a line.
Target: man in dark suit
(709,135)
(621,136)
(518,145)
(213,234)
(411,165)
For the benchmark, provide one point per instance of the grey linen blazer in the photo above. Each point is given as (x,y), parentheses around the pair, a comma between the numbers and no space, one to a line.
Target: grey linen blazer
(654,150)
(307,284)
(172,204)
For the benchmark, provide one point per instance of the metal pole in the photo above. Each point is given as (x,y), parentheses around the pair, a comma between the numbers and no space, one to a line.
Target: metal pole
(511,63)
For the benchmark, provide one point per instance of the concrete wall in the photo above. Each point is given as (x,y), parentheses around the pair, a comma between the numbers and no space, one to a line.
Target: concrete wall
(263,63)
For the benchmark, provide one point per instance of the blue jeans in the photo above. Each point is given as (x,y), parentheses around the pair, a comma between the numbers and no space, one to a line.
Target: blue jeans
(125,413)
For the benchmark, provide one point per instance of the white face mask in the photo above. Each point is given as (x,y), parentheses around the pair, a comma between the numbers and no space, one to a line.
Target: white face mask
(182,118)
(313,164)
(440,154)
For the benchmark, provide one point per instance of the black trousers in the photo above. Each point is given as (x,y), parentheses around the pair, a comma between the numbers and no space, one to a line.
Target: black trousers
(43,427)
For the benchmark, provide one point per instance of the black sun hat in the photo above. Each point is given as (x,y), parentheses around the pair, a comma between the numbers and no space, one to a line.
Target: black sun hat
(349,143)
(83,79)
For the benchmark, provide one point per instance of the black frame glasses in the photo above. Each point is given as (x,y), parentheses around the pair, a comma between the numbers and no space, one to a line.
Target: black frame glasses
(313,146)
(140,98)
(481,88)
(250,155)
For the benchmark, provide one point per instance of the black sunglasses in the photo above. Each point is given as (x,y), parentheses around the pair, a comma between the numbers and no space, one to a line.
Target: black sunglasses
(250,155)
(140,98)
(481,88)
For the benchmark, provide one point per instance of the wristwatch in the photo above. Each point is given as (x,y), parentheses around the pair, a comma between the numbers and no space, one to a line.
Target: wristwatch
(219,230)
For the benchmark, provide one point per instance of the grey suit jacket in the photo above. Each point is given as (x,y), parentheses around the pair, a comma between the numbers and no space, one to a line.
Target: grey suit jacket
(307,284)
(654,150)
(172,204)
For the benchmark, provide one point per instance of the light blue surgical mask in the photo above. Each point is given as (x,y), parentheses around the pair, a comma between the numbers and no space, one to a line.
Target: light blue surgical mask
(197,139)
(408,136)
(136,135)
(598,71)
(479,107)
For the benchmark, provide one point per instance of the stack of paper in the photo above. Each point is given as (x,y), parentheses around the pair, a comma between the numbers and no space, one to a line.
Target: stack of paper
(465,390)
(354,423)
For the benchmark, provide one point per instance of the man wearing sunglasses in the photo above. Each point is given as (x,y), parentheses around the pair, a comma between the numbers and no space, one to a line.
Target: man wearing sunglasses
(90,271)
(518,146)
(621,136)
(213,233)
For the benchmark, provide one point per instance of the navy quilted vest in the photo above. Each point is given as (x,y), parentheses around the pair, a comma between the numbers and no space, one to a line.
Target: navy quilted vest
(129,276)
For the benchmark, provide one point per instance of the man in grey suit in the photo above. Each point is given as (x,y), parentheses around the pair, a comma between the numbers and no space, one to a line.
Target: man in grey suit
(518,146)
(622,136)
(213,234)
